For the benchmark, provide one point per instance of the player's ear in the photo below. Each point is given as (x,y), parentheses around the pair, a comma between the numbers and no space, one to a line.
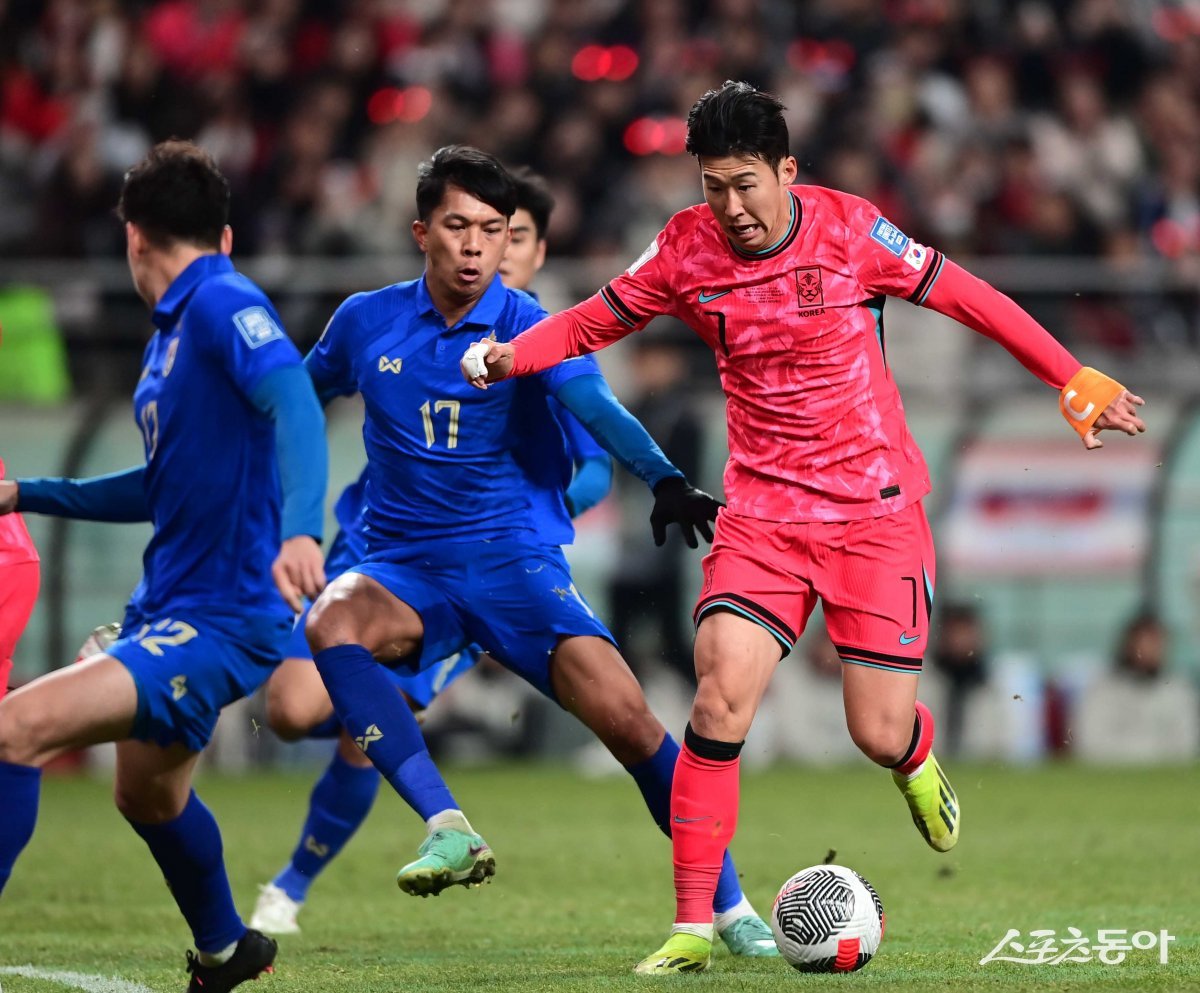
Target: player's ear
(227,240)
(540,259)
(135,241)
(420,232)
(788,170)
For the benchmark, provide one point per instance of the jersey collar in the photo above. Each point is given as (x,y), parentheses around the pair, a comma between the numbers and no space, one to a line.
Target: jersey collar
(171,304)
(485,313)
(797,214)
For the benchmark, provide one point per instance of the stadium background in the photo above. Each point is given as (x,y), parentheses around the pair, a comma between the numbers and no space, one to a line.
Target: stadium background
(1052,147)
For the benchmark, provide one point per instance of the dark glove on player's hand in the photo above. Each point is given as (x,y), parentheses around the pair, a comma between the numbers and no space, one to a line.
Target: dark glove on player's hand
(676,501)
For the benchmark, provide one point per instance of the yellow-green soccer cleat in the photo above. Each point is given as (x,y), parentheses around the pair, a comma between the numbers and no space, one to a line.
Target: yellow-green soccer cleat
(447,858)
(682,953)
(933,804)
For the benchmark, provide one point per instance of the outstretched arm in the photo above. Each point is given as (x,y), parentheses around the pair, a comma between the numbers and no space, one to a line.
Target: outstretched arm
(1090,401)
(118,497)
(586,327)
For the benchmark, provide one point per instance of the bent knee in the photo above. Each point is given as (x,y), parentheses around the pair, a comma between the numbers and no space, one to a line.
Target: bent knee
(22,734)
(716,716)
(330,623)
(344,616)
(883,743)
(147,806)
(292,715)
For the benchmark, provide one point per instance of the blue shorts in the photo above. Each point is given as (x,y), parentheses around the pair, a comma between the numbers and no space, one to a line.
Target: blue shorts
(189,664)
(515,599)
(421,687)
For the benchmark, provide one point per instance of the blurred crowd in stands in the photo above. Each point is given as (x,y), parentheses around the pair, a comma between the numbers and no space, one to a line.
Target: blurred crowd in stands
(1058,127)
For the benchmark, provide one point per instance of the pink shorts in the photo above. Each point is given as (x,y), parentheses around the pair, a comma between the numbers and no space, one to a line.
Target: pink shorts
(874,578)
(18,592)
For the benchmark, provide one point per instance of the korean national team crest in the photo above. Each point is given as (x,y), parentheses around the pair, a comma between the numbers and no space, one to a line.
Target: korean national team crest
(810,294)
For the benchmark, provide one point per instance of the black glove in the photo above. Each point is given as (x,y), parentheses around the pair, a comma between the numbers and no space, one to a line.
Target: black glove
(676,501)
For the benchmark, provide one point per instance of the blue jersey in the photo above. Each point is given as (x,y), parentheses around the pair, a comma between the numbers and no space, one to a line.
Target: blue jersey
(212,478)
(445,460)
(350,544)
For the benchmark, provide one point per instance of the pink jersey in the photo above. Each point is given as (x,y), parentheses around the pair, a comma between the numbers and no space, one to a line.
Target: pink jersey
(816,425)
(15,543)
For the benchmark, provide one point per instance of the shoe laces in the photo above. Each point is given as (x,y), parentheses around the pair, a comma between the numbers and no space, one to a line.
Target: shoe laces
(441,834)
(193,962)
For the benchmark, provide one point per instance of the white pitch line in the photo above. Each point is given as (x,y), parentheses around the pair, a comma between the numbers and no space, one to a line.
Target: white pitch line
(76,980)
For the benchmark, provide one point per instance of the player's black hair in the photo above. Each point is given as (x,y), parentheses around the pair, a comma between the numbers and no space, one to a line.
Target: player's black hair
(533,195)
(479,173)
(737,119)
(176,193)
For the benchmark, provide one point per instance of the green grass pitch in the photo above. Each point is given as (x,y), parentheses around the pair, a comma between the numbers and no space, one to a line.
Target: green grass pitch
(583,883)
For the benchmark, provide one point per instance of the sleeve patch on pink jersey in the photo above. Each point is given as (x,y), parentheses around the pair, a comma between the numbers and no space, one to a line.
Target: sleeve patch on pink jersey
(646,256)
(916,255)
(889,236)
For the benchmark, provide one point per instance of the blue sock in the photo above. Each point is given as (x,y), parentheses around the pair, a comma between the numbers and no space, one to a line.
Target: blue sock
(653,778)
(340,802)
(331,727)
(189,852)
(378,717)
(20,786)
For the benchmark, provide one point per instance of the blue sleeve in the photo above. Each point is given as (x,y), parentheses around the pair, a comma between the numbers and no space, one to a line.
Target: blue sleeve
(241,329)
(590,484)
(593,471)
(621,434)
(286,396)
(119,497)
(580,443)
(328,363)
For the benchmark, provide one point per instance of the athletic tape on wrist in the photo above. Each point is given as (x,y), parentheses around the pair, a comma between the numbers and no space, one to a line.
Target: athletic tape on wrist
(1086,397)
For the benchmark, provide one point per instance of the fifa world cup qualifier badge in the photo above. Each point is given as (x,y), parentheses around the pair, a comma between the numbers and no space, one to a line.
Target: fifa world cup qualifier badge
(810,294)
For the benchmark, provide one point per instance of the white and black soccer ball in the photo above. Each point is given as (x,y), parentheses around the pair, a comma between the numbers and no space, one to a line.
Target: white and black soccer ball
(827,918)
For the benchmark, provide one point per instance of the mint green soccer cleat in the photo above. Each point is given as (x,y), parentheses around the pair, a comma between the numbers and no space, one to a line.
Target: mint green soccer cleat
(447,858)
(682,953)
(750,937)
(933,804)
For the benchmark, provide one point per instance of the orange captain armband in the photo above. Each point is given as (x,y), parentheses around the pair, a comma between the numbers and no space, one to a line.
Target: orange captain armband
(1086,396)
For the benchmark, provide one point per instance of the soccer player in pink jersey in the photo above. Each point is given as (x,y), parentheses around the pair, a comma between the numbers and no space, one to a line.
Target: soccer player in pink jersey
(824,483)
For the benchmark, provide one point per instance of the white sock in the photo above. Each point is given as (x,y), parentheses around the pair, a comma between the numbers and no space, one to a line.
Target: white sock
(216,958)
(704,931)
(449,818)
(916,772)
(735,913)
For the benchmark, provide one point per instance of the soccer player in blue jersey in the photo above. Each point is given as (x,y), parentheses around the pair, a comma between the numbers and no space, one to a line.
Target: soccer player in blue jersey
(298,705)
(234,482)
(461,546)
